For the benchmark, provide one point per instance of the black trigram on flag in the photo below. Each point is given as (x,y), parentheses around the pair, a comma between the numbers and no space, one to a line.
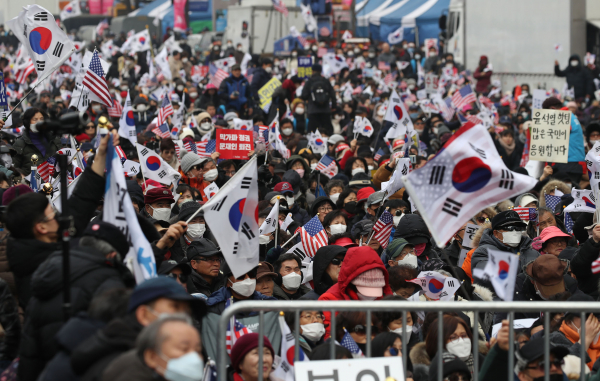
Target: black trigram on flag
(589,163)
(58,49)
(246,181)
(299,253)
(452,207)
(437,174)
(219,205)
(144,152)
(247,231)
(450,283)
(478,150)
(40,65)
(236,247)
(42,16)
(404,169)
(507,181)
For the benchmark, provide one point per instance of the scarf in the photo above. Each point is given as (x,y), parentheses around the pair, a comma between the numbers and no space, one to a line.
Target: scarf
(508,148)
(39,141)
(573,336)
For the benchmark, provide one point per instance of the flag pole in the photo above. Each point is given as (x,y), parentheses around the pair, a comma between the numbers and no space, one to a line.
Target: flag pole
(290,240)
(38,83)
(150,42)
(277,221)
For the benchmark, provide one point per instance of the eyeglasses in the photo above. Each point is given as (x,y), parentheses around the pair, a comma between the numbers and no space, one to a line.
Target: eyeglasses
(323,209)
(211,260)
(362,330)
(337,261)
(182,277)
(230,173)
(308,316)
(456,337)
(540,366)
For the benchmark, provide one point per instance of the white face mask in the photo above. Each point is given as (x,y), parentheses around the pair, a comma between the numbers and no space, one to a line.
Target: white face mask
(294,54)
(313,331)
(211,175)
(409,260)
(400,330)
(161,214)
(290,201)
(337,229)
(381,111)
(371,55)
(184,60)
(313,166)
(33,128)
(141,108)
(193,95)
(358,170)
(269,69)
(97,108)
(180,88)
(196,231)
(287,131)
(264,239)
(145,90)
(397,219)
(334,197)
(292,281)
(574,63)
(206,126)
(460,348)
(7,159)
(592,142)
(370,167)
(188,367)
(245,287)
(299,110)
(511,239)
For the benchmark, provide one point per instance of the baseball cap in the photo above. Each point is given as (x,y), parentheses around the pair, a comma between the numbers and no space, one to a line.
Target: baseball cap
(548,273)
(202,248)
(162,287)
(396,246)
(534,349)
(283,187)
(335,138)
(362,227)
(168,265)
(360,180)
(187,209)
(108,233)
(158,194)
(508,217)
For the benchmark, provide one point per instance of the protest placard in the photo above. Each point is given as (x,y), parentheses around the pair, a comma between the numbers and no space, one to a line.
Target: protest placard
(550,132)
(266,93)
(539,96)
(470,231)
(304,67)
(377,369)
(3,98)
(431,83)
(234,144)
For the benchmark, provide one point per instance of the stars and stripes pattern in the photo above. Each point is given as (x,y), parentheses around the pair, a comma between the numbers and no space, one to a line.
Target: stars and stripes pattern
(383,228)
(94,80)
(388,79)
(115,110)
(202,149)
(463,97)
(165,111)
(280,7)
(569,223)
(313,236)
(469,118)
(349,343)
(121,154)
(324,163)
(22,74)
(327,166)
(378,154)
(162,131)
(46,169)
(216,75)
(527,214)
(239,330)
(551,201)
(596,266)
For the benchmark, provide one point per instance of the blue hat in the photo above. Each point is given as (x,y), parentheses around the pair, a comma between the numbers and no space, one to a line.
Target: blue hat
(161,287)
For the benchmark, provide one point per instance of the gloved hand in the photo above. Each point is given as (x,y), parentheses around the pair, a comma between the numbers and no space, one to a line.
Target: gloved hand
(274,253)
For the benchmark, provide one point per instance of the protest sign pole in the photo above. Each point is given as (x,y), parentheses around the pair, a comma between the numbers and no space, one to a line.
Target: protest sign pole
(376,216)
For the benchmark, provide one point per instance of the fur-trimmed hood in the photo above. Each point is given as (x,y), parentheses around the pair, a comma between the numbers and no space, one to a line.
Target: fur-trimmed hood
(549,187)
(479,234)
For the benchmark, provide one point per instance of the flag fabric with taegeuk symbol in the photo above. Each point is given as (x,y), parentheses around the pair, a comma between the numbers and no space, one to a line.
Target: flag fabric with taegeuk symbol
(285,370)
(363,126)
(95,82)
(165,110)
(155,168)
(127,122)
(527,214)
(243,125)
(583,201)
(335,62)
(466,176)
(313,236)
(383,228)
(501,271)
(436,286)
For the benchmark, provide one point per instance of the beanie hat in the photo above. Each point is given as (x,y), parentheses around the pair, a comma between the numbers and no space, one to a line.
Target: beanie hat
(185,132)
(370,283)
(189,159)
(245,344)
(14,192)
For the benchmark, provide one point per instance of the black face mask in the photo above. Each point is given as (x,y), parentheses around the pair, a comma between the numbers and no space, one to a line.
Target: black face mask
(553,377)
(351,207)
(363,348)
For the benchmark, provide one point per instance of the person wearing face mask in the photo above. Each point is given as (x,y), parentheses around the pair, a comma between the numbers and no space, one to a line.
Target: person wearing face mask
(237,289)
(204,125)
(158,204)
(401,253)
(235,92)
(299,214)
(168,349)
(413,229)
(175,64)
(291,64)
(355,165)
(197,229)
(335,223)
(141,113)
(262,75)
(288,136)
(592,134)
(36,140)
(209,96)
(299,164)
(312,329)
(205,260)
(327,264)
(508,235)
(288,283)
(320,96)
(577,78)
(299,110)
(433,61)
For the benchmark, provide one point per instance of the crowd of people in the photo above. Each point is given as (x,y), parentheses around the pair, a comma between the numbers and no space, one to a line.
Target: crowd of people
(166,327)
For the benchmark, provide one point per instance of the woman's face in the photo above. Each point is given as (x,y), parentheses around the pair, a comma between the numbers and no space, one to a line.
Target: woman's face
(38,117)
(249,365)
(185,196)
(396,324)
(167,154)
(335,190)
(507,139)
(297,165)
(358,164)
(459,332)
(338,220)
(351,197)
(396,349)
(555,245)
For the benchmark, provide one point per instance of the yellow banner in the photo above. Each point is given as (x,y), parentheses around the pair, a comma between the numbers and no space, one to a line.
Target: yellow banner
(266,92)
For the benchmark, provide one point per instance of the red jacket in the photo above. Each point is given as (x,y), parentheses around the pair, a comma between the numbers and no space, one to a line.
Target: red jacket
(357,261)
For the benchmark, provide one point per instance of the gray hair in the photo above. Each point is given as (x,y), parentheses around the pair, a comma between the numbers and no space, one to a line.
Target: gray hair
(151,336)
(103,247)
(443,272)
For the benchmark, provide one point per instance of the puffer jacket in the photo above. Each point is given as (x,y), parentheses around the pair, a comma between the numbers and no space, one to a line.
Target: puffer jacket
(25,149)
(412,226)
(577,77)
(321,279)
(488,241)
(357,261)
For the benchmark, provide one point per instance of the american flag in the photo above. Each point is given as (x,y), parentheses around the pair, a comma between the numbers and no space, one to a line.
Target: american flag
(447,109)
(378,154)
(165,110)
(22,74)
(102,26)
(569,223)
(327,166)
(349,343)
(239,330)
(94,80)
(116,109)
(596,266)
(280,7)
(216,75)
(324,163)
(469,118)
(551,201)
(313,236)
(202,149)
(463,97)
(162,131)
(383,228)
(46,169)
(388,79)
(527,214)
(120,154)
(487,102)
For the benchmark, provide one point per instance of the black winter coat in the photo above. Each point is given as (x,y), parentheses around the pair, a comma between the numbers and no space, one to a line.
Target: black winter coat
(11,323)
(260,78)
(314,108)
(90,276)
(412,226)
(581,265)
(197,284)
(321,261)
(577,78)
(512,161)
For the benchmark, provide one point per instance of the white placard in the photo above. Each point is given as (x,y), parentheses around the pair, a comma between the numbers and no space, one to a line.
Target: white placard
(539,96)
(371,369)
(431,83)
(550,132)
(462,257)
(517,324)
(470,231)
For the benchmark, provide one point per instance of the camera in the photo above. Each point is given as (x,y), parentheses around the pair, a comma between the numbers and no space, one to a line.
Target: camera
(71,123)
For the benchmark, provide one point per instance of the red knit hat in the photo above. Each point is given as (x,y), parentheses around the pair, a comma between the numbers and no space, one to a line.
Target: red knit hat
(364,193)
(245,344)
(14,192)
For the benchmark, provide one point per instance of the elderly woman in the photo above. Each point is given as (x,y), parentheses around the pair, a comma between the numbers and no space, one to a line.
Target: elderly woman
(245,358)
(36,140)
(553,240)
(312,328)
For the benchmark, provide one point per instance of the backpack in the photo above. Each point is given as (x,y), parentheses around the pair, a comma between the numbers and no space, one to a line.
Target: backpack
(319,94)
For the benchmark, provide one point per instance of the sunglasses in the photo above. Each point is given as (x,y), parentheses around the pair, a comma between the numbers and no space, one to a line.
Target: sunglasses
(512,228)
(337,261)
(540,366)
(182,277)
(361,329)
(481,220)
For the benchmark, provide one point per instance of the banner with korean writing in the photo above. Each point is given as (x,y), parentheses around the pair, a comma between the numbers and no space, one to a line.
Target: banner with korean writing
(550,132)
(304,67)
(234,144)
(431,83)
(3,97)
(266,93)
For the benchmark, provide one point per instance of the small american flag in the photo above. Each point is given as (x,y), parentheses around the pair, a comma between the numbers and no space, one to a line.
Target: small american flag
(551,201)
(469,118)
(46,169)
(378,154)
(121,154)
(324,163)
(383,228)
(162,131)
(102,26)
(569,223)
(463,97)
(165,111)
(94,80)
(447,109)
(388,79)
(596,266)
(313,236)
(280,7)
(217,75)
(202,149)
(487,102)
(116,109)
(349,343)
(239,330)
(527,214)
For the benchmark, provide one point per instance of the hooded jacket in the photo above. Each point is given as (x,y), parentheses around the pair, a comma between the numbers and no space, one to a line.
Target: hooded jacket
(357,261)
(550,186)
(320,201)
(321,279)
(90,276)
(314,108)
(412,227)
(577,77)
(293,159)
(197,284)
(25,148)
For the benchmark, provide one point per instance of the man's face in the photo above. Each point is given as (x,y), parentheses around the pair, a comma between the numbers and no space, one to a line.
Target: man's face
(146,314)
(334,267)
(179,340)
(236,73)
(288,267)
(177,274)
(546,219)
(535,368)
(265,285)
(372,209)
(207,266)
(46,230)
(157,205)
(211,110)
(208,166)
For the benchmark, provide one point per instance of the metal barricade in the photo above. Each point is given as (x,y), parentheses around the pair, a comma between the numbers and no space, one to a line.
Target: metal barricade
(546,308)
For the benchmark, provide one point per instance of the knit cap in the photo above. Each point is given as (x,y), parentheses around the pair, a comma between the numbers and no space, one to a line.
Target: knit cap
(370,282)
(189,159)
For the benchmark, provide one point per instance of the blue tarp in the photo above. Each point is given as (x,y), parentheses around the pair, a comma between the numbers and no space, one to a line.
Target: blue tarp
(362,17)
(422,14)
(375,17)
